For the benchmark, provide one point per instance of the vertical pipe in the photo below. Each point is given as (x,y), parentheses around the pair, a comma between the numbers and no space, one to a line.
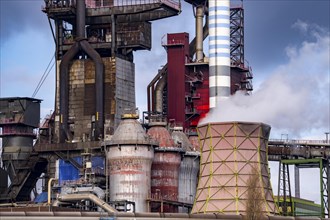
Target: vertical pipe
(199,32)
(219,50)
(50,190)
(81,19)
(296,181)
(64,91)
(159,94)
(113,35)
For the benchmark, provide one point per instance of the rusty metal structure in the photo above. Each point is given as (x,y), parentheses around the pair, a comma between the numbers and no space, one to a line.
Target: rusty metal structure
(155,171)
(19,117)
(165,167)
(129,157)
(95,41)
(95,73)
(302,154)
(231,154)
(180,90)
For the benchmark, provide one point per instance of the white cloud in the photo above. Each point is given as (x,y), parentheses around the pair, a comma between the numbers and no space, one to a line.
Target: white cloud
(295,98)
(301,25)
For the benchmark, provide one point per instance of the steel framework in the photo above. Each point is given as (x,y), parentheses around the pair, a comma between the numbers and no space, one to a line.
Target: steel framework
(323,165)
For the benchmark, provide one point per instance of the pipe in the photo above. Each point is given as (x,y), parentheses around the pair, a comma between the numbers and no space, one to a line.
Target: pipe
(151,90)
(50,190)
(199,33)
(159,93)
(75,197)
(113,34)
(81,18)
(99,87)
(219,50)
(64,91)
(95,190)
(64,77)
(12,204)
(192,45)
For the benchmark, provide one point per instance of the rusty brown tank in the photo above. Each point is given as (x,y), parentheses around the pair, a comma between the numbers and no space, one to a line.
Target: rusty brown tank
(165,167)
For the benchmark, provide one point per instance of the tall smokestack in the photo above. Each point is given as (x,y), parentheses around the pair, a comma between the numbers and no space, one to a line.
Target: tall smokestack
(219,50)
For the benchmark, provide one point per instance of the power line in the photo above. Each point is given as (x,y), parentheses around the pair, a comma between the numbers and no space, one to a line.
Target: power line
(44,76)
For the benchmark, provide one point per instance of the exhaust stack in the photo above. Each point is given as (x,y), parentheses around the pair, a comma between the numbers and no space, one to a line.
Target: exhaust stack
(219,50)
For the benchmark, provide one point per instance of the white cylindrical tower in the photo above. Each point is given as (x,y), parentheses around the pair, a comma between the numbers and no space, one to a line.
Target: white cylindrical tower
(219,50)
(129,154)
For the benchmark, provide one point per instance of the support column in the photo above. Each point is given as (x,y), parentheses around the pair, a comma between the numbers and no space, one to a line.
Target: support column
(296,182)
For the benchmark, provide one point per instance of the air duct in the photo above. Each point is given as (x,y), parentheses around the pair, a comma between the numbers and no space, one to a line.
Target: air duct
(81,43)
(159,93)
(78,197)
(219,50)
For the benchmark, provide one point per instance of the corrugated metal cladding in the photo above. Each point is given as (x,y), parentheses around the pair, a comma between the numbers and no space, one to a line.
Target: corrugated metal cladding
(125,87)
(233,154)
(165,168)
(129,156)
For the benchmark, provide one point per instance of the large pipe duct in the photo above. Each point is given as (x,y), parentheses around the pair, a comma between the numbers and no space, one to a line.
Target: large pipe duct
(81,43)
(78,197)
(159,93)
(64,91)
(199,33)
(81,18)
(219,50)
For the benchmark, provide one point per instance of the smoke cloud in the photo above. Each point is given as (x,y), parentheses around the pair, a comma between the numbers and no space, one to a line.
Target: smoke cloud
(295,98)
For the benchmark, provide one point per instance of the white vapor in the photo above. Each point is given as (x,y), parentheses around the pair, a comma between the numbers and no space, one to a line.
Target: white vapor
(295,98)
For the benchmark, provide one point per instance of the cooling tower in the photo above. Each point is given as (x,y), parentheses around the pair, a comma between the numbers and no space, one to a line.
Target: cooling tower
(232,153)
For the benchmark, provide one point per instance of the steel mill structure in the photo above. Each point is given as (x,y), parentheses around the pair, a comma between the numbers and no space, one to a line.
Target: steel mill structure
(93,158)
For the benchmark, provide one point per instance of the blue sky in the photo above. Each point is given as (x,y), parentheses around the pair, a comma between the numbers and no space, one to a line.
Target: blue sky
(286,43)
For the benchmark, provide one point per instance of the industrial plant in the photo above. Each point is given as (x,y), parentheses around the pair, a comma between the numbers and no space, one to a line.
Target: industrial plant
(97,157)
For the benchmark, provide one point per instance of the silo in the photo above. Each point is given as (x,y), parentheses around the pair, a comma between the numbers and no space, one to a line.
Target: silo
(233,154)
(189,168)
(129,157)
(165,167)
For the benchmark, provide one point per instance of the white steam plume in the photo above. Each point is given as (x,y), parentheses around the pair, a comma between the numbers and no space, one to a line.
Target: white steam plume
(295,97)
